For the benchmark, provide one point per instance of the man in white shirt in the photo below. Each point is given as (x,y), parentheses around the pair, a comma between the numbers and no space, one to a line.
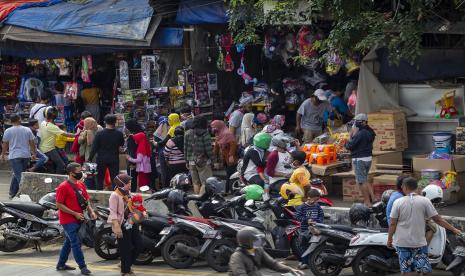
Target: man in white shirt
(37,111)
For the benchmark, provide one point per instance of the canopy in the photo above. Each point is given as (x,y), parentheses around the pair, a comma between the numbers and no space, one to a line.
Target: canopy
(8,6)
(121,19)
(194,12)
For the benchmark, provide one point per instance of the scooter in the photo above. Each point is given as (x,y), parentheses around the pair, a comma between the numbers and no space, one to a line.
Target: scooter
(457,266)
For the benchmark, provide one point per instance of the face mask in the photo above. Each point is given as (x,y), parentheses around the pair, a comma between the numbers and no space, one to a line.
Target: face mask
(359,124)
(78,175)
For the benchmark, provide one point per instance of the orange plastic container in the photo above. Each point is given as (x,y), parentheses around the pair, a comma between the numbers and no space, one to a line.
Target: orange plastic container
(322,159)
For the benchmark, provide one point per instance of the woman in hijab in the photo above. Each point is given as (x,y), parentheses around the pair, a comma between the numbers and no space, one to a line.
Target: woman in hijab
(86,137)
(79,128)
(174,153)
(142,160)
(173,120)
(121,207)
(226,146)
(275,125)
(247,130)
(133,127)
(160,138)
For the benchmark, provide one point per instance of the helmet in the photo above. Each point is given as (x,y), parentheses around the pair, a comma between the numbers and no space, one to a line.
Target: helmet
(175,200)
(262,140)
(290,189)
(386,195)
(213,185)
(249,237)
(90,168)
(433,193)
(49,200)
(359,214)
(279,142)
(180,181)
(253,192)
(51,112)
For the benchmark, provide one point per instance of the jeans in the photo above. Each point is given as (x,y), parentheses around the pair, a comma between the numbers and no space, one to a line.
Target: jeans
(54,155)
(41,160)
(72,242)
(18,165)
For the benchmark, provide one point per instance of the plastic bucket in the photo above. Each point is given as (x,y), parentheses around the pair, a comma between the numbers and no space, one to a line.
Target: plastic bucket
(442,142)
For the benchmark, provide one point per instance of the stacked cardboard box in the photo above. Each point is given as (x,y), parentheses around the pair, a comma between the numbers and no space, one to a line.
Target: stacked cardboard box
(460,140)
(382,183)
(390,127)
(350,188)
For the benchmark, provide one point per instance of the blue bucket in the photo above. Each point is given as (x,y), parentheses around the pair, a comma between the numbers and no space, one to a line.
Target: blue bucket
(442,142)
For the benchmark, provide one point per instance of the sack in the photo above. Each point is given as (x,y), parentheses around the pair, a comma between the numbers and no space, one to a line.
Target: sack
(87,232)
(81,200)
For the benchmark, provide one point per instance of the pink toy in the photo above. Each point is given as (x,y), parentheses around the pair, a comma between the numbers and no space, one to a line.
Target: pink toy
(241,70)
(352,101)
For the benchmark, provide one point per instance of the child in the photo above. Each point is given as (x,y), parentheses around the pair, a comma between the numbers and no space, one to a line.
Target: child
(300,177)
(60,144)
(137,213)
(308,212)
(41,157)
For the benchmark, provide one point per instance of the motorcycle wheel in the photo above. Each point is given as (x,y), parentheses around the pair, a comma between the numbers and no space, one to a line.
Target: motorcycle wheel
(104,247)
(317,264)
(219,253)
(10,244)
(168,251)
(360,267)
(144,258)
(236,185)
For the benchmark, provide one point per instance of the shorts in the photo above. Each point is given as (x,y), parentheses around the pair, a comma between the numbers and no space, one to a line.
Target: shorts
(414,259)
(200,174)
(361,169)
(309,135)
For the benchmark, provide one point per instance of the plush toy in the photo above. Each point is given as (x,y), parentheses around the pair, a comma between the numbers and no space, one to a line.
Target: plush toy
(333,63)
(241,70)
(227,41)
(288,50)
(305,39)
(270,45)
(352,101)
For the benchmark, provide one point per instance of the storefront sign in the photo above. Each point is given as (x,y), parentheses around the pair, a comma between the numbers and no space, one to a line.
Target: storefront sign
(300,16)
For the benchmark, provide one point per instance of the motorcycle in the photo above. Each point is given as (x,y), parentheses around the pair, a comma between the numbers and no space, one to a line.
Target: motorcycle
(457,266)
(25,222)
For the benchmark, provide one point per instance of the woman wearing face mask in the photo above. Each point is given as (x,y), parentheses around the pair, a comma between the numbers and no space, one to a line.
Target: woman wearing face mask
(361,147)
(129,239)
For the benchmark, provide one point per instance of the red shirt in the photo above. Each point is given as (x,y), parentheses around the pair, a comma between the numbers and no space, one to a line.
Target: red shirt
(67,196)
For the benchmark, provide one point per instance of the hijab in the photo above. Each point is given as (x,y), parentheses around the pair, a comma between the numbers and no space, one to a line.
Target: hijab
(174,121)
(143,146)
(162,129)
(275,124)
(90,124)
(223,134)
(178,138)
(247,130)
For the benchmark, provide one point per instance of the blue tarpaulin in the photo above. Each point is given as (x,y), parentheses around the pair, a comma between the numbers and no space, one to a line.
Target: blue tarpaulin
(168,37)
(121,19)
(194,12)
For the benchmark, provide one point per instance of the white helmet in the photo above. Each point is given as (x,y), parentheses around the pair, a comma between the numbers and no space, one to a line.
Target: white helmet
(433,193)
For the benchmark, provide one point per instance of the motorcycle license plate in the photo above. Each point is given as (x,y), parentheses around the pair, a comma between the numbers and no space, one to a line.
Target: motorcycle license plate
(165,231)
(459,251)
(315,238)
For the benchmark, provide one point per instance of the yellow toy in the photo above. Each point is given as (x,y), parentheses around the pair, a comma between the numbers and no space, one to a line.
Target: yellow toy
(449,179)
(447,105)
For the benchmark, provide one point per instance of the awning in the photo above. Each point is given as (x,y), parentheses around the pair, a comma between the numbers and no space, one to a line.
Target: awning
(8,6)
(120,19)
(195,12)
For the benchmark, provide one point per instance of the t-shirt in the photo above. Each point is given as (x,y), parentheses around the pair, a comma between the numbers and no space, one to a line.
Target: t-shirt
(66,195)
(411,212)
(235,120)
(106,145)
(306,211)
(48,132)
(90,95)
(301,178)
(37,112)
(339,104)
(312,115)
(18,138)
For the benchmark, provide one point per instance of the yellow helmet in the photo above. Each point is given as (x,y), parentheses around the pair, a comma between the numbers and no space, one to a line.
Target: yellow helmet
(288,189)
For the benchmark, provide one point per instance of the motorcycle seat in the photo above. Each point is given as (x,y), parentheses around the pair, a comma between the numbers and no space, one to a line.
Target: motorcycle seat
(254,224)
(28,207)
(155,222)
(343,228)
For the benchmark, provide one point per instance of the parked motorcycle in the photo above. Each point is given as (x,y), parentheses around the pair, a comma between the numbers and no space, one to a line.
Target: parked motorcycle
(29,222)
(457,266)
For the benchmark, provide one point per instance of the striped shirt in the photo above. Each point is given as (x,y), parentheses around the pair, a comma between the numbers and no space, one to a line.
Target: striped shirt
(305,212)
(173,154)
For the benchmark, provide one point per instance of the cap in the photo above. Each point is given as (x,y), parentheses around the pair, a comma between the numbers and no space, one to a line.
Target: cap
(122,179)
(361,117)
(320,94)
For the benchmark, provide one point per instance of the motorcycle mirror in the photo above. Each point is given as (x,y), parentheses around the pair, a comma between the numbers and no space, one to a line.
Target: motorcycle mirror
(144,188)
(48,180)
(249,203)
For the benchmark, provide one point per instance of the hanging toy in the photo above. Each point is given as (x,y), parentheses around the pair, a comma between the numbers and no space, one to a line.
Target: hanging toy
(220,60)
(449,179)
(333,63)
(305,40)
(86,68)
(352,101)
(270,45)
(351,66)
(288,50)
(241,70)
(227,41)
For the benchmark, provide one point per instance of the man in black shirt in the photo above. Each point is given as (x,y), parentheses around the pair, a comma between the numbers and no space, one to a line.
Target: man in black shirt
(107,144)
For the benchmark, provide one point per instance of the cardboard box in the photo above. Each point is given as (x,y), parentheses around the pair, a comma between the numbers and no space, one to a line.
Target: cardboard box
(350,188)
(391,130)
(382,183)
(460,147)
(460,134)
(386,157)
(421,162)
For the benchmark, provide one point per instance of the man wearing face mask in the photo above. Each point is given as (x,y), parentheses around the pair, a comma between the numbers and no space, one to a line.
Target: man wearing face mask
(250,257)
(72,200)
(361,147)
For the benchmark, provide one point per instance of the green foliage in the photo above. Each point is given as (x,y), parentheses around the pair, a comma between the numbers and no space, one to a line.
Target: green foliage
(357,25)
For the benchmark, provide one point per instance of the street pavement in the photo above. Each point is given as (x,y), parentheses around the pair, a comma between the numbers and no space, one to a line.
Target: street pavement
(32,263)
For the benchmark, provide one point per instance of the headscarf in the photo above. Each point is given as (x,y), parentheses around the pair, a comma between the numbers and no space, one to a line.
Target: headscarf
(90,124)
(275,124)
(120,181)
(133,126)
(162,129)
(143,146)
(247,130)
(223,134)
(173,121)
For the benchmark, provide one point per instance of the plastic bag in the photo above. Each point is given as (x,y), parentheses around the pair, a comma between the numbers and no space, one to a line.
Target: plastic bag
(87,232)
